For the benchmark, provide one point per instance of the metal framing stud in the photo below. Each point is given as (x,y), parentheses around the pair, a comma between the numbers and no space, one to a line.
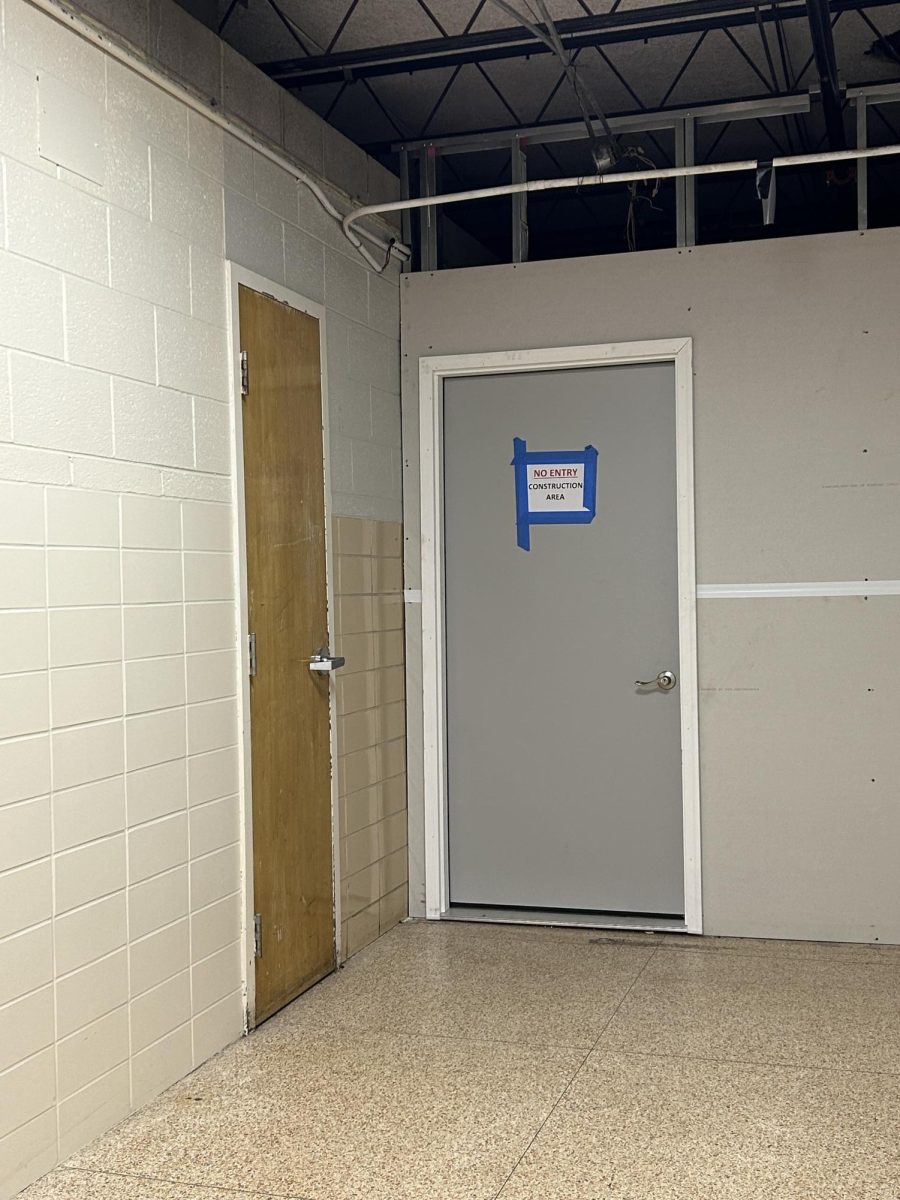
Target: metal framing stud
(428,216)
(519,204)
(685,187)
(862,164)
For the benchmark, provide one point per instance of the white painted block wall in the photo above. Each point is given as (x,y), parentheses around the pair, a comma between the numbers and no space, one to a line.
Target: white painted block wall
(120,862)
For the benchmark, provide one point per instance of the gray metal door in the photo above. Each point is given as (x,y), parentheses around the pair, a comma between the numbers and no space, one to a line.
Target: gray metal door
(563,777)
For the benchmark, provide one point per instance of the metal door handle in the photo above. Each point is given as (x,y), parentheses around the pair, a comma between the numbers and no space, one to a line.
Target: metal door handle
(665,681)
(323,660)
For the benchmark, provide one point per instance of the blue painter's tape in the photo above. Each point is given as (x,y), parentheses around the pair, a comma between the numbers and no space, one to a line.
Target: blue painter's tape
(523,459)
(520,462)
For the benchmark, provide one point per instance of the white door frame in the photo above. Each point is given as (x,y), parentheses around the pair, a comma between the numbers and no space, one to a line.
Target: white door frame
(432,373)
(237,275)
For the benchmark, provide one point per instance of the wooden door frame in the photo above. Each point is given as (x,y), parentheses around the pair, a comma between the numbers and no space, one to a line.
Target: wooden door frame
(432,373)
(237,276)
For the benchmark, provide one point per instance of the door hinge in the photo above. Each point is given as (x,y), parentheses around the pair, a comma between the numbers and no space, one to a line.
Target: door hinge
(257,935)
(251,653)
(245,373)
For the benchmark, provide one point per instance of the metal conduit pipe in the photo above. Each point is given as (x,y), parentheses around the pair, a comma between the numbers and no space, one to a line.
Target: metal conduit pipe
(70,19)
(613,177)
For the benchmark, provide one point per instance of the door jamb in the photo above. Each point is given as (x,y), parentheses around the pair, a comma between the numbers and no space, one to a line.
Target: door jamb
(432,373)
(236,276)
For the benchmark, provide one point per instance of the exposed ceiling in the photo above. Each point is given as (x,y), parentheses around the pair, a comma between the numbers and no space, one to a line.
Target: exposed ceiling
(378,70)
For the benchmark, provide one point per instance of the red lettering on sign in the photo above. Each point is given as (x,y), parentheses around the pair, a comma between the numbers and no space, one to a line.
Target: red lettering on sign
(554,472)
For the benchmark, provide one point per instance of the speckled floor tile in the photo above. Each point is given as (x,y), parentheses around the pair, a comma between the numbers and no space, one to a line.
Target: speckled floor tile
(535,986)
(817,1012)
(66,1184)
(346,1115)
(644,1128)
(448,1061)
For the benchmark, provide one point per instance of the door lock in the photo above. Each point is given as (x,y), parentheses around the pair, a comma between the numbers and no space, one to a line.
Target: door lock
(665,681)
(323,661)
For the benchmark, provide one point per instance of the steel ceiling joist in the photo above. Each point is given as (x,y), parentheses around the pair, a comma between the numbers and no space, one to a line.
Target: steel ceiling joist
(822,38)
(663,20)
(760,108)
(640,122)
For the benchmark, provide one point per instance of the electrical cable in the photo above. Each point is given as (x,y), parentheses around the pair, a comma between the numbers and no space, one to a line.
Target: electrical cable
(636,196)
(605,152)
(586,100)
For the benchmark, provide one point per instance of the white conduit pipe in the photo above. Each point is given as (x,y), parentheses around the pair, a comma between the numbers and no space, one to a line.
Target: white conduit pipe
(84,30)
(580,181)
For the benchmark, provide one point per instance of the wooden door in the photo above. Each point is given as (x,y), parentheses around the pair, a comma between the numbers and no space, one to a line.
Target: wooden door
(289,704)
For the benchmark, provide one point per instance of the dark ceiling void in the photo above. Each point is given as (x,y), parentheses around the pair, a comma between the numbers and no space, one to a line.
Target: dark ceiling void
(728,210)
(206,11)
(631,25)
(464,79)
(811,199)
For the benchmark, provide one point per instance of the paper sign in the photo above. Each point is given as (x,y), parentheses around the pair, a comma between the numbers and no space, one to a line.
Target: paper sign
(553,487)
(556,487)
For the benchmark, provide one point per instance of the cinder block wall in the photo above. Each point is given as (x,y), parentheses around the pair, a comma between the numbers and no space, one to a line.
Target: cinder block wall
(121,952)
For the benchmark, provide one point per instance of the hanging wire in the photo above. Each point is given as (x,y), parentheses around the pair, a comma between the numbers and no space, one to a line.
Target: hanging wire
(637,197)
(587,100)
(604,153)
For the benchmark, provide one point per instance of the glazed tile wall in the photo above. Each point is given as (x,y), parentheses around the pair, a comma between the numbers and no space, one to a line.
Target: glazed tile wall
(371,729)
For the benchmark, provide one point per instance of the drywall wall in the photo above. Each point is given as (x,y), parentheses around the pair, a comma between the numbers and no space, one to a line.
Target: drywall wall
(120,860)
(797,460)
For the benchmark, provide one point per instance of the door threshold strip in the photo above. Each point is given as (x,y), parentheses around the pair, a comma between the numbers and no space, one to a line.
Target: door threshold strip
(578,920)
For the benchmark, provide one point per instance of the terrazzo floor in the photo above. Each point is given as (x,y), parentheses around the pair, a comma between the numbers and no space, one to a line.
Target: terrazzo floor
(468,1062)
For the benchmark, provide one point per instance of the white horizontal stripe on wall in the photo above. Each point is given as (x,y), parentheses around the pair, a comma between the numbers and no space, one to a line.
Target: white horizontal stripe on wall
(841,587)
